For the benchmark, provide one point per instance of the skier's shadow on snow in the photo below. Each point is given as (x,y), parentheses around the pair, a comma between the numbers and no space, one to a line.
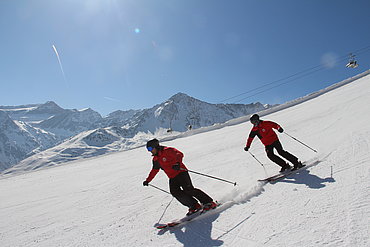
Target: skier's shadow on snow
(311,180)
(196,233)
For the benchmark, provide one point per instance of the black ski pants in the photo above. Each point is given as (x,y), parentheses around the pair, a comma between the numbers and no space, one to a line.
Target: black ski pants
(183,190)
(279,148)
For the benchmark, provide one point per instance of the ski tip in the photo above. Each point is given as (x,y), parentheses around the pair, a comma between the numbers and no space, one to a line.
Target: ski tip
(161,226)
(172,224)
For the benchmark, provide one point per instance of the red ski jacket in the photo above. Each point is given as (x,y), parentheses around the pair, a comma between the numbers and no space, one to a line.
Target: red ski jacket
(264,131)
(165,158)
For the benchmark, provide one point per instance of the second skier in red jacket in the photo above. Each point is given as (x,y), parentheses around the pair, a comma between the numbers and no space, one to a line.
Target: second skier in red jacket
(264,131)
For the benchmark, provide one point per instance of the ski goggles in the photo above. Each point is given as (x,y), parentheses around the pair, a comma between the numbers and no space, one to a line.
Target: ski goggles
(149,149)
(254,121)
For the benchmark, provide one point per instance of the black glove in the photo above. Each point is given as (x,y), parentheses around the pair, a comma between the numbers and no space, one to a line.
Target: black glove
(176,167)
(246,149)
(280,130)
(145,183)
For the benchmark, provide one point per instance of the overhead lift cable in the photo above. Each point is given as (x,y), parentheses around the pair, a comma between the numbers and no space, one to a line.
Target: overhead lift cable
(292,77)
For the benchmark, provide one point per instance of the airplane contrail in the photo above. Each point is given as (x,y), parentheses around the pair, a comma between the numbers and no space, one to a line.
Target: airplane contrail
(112,99)
(60,64)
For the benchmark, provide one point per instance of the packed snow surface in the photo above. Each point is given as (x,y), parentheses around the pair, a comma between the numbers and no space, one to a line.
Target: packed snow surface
(101,201)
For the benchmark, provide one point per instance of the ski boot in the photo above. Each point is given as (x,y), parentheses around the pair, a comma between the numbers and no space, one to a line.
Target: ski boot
(194,209)
(285,168)
(297,166)
(209,206)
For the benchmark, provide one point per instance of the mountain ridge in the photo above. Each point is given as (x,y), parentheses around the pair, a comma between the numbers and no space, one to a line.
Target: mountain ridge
(63,133)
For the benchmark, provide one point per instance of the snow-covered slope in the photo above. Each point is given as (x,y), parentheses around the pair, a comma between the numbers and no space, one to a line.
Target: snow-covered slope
(101,201)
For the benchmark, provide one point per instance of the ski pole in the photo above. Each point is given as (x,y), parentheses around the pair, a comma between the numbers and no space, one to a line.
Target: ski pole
(300,142)
(206,175)
(259,162)
(256,159)
(165,210)
(159,189)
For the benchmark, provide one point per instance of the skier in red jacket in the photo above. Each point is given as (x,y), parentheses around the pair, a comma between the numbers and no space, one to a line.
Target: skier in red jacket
(264,131)
(170,161)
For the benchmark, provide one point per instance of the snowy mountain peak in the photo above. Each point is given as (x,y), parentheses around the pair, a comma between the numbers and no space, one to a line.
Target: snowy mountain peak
(180,96)
(181,111)
(49,107)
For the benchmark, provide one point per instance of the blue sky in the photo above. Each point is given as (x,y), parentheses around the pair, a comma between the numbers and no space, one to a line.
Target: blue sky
(133,54)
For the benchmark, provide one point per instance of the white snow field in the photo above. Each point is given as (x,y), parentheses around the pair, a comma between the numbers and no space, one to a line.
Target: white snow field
(101,201)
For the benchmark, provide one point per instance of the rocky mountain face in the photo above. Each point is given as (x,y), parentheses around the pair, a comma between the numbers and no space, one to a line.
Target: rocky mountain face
(118,118)
(71,122)
(30,129)
(16,142)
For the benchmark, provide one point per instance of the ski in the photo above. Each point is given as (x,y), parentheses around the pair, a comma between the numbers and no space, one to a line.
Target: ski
(282,175)
(271,178)
(279,176)
(178,221)
(184,219)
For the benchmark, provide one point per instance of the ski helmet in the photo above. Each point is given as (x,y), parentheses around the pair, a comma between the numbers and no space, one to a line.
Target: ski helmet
(154,143)
(254,118)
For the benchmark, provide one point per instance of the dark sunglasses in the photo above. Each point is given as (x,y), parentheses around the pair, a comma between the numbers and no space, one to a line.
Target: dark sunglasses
(254,121)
